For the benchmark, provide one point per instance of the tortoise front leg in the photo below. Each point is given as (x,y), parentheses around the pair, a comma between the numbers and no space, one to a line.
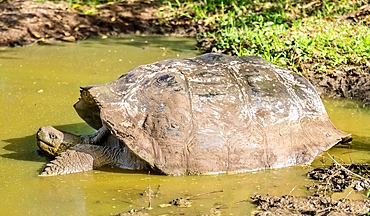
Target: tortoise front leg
(96,138)
(119,156)
(87,157)
(70,161)
(80,158)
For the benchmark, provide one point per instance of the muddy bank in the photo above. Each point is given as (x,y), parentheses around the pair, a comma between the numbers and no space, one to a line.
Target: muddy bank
(28,22)
(351,83)
(337,178)
(326,181)
(309,205)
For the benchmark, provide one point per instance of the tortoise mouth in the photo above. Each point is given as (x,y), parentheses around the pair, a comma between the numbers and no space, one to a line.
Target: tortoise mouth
(42,143)
(47,148)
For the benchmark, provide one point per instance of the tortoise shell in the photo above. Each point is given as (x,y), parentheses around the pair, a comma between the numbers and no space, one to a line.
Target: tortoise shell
(212,114)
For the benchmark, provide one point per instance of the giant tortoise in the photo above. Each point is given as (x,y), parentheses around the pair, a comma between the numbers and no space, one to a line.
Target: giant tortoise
(209,114)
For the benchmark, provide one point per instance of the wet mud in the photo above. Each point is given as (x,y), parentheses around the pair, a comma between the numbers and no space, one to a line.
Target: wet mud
(309,205)
(335,178)
(351,83)
(177,202)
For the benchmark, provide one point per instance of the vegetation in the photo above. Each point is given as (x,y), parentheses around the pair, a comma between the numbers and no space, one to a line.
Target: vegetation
(88,2)
(301,35)
(86,6)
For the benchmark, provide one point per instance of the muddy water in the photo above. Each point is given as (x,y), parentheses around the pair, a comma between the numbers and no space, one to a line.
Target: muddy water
(38,86)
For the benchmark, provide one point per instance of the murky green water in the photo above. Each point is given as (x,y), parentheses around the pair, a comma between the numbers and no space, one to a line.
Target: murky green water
(39,85)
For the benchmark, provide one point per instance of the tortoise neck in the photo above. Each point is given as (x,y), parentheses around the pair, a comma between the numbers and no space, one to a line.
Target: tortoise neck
(70,140)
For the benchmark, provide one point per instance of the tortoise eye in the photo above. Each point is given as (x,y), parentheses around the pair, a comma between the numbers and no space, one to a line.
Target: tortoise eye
(52,136)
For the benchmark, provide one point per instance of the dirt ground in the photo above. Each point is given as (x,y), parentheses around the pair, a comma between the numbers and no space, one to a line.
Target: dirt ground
(28,22)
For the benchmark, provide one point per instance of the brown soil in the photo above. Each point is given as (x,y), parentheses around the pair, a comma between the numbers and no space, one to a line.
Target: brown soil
(27,22)
(351,83)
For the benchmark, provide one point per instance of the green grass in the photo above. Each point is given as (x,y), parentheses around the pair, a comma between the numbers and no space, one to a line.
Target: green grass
(300,35)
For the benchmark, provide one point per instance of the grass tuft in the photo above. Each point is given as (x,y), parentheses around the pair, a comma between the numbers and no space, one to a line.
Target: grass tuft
(300,35)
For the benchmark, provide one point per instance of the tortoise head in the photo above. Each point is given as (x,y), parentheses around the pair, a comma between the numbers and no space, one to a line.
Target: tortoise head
(52,142)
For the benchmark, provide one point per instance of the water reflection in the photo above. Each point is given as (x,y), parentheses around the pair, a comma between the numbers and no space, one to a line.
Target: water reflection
(145,43)
(16,147)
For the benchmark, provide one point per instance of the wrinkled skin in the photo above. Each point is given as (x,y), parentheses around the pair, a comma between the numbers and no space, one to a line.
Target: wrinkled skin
(53,142)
